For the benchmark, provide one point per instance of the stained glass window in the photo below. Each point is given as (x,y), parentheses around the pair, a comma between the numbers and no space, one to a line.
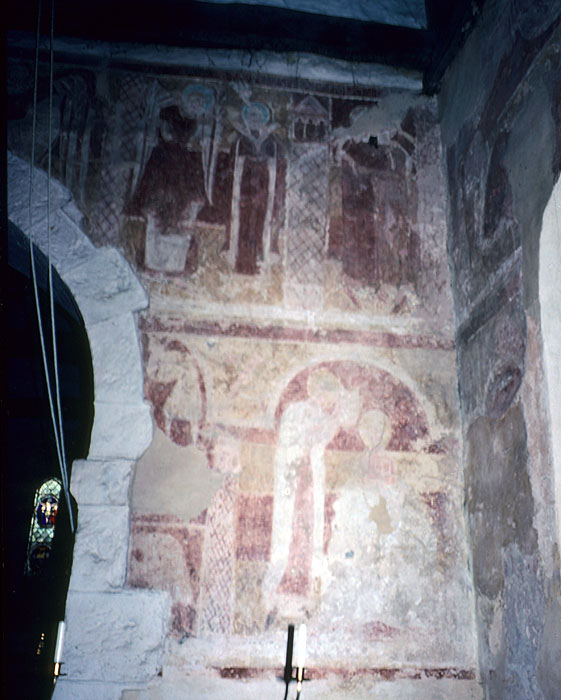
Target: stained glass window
(42,528)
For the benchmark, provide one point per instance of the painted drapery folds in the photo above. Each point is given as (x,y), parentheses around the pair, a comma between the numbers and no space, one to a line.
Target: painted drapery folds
(298,357)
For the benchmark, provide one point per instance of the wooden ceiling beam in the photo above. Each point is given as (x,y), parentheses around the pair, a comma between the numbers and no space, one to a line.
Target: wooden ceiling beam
(192,24)
(188,23)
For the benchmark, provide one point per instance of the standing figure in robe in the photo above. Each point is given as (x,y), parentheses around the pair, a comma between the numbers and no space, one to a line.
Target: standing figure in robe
(307,427)
(178,181)
(376,240)
(250,242)
(198,102)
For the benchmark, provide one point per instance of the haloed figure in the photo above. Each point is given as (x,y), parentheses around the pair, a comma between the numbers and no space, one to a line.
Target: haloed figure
(306,428)
(170,195)
(256,161)
(178,181)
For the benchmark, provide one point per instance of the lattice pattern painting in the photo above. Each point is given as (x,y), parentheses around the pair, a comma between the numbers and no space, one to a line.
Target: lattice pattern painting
(131,124)
(217,584)
(307,210)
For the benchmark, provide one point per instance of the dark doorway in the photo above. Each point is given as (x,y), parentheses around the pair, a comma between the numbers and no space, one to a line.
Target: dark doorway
(38,540)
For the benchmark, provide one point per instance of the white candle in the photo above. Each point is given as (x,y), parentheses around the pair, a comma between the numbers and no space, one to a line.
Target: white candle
(59,642)
(301,647)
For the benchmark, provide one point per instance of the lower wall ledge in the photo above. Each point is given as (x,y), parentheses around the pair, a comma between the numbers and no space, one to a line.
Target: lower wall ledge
(333,688)
(317,673)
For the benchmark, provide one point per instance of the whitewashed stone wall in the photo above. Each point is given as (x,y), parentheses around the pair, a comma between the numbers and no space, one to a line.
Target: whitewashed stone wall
(114,636)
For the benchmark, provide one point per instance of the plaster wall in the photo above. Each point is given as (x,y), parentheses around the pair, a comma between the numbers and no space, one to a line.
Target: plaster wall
(501,134)
(298,356)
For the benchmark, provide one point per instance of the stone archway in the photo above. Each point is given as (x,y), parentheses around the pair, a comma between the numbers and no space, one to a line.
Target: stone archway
(550,312)
(114,636)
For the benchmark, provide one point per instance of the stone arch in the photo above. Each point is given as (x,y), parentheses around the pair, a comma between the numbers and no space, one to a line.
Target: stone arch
(114,636)
(550,312)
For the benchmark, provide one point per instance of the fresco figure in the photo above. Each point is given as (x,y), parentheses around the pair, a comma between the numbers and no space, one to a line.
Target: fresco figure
(306,428)
(375,430)
(178,180)
(256,167)
(198,102)
(376,242)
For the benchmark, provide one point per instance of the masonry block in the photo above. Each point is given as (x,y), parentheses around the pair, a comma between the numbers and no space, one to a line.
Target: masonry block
(105,286)
(120,430)
(18,193)
(100,551)
(70,690)
(101,483)
(116,360)
(115,637)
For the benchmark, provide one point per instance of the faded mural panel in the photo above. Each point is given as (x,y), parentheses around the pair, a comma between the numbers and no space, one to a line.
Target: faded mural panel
(338,496)
(298,355)
(235,192)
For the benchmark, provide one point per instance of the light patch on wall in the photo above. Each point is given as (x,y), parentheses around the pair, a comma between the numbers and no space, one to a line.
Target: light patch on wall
(381,120)
(174,480)
(379,514)
(550,303)
(496,627)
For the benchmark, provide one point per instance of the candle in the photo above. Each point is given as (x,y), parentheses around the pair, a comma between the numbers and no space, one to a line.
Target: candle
(59,642)
(301,647)
(289,646)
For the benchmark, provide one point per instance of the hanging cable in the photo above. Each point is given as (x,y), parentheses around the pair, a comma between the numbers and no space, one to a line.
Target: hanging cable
(57,425)
(64,466)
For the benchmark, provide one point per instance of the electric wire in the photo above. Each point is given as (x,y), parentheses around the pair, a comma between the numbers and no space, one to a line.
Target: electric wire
(64,466)
(57,427)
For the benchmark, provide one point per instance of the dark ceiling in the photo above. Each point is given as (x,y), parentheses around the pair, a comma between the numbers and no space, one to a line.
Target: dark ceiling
(189,23)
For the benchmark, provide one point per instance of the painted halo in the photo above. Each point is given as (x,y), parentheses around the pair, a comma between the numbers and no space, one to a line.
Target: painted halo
(256,112)
(197,100)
